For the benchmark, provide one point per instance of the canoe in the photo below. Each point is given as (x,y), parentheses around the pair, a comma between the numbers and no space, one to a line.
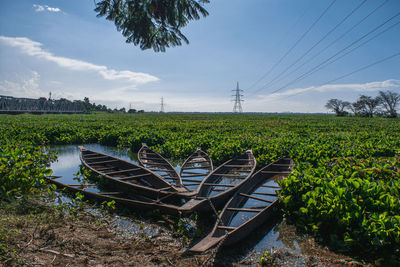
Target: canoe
(127,175)
(158,164)
(130,200)
(195,168)
(216,189)
(252,205)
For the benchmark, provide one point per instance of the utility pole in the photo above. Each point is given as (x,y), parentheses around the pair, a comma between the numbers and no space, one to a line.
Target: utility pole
(237,107)
(162,105)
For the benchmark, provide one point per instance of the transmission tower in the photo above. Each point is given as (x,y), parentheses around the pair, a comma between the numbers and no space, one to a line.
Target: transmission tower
(162,105)
(237,107)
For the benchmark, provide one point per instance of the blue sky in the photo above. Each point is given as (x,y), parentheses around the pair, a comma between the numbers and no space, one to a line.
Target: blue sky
(60,46)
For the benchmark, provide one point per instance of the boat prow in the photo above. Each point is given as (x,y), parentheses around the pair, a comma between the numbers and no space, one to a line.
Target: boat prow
(192,204)
(206,243)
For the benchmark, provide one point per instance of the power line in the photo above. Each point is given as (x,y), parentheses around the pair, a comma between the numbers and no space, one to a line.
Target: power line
(362,44)
(351,73)
(317,68)
(297,42)
(281,41)
(315,45)
(335,41)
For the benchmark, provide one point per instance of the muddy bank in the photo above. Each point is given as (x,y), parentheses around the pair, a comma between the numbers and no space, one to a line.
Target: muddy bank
(34,233)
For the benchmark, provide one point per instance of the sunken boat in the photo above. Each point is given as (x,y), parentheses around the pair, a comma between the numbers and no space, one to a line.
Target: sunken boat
(195,168)
(216,189)
(158,164)
(254,203)
(135,201)
(127,176)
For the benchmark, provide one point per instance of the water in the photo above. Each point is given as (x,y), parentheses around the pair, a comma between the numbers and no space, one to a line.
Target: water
(68,164)
(273,236)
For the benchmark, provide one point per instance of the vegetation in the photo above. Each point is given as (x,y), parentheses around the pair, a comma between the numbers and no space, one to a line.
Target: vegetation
(152,24)
(345,188)
(383,105)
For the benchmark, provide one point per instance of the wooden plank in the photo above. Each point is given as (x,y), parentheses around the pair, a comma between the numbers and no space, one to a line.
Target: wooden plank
(85,152)
(219,190)
(229,175)
(277,172)
(109,193)
(237,166)
(243,209)
(161,170)
(270,186)
(256,198)
(135,176)
(161,189)
(81,184)
(191,184)
(155,164)
(266,194)
(147,158)
(190,180)
(225,185)
(184,171)
(97,157)
(122,171)
(148,153)
(196,161)
(101,162)
(194,175)
(103,168)
(226,227)
(200,167)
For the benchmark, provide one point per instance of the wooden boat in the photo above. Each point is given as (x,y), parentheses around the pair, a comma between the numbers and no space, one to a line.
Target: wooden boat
(158,164)
(130,200)
(127,175)
(195,168)
(252,204)
(222,183)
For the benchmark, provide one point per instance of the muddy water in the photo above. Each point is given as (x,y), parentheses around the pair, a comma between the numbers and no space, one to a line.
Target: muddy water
(272,236)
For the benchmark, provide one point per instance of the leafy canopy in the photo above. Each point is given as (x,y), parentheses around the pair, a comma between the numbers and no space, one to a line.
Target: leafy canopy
(152,23)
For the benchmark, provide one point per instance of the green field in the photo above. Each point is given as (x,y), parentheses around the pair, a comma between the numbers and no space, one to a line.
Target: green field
(345,188)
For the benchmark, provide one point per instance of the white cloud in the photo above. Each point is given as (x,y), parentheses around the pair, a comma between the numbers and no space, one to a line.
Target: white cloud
(26,86)
(391,84)
(40,8)
(32,48)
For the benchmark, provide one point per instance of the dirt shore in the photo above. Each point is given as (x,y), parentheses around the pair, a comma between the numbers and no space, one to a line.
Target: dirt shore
(36,234)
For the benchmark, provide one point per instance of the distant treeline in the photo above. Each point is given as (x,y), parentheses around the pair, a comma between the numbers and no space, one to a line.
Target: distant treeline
(90,107)
(383,105)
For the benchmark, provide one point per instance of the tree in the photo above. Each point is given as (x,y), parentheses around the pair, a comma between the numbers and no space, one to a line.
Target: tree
(365,106)
(337,106)
(152,23)
(389,100)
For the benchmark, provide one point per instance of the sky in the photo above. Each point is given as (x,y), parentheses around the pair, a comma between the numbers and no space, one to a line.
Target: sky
(271,47)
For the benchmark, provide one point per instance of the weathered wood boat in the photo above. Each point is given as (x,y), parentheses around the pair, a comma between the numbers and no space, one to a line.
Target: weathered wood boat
(127,175)
(130,200)
(158,164)
(252,204)
(195,168)
(222,183)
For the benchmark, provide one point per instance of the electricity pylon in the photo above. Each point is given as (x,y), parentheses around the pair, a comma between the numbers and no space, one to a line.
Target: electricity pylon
(237,107)
(162,105)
